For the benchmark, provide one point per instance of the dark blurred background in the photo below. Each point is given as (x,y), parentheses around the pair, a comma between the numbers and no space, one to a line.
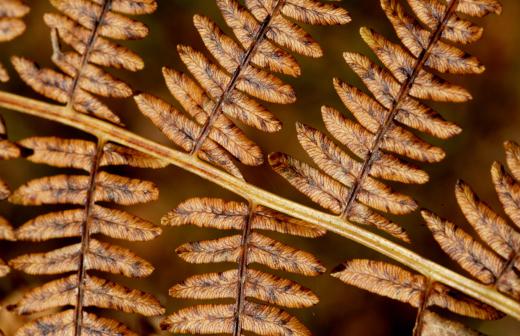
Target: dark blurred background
(490,119)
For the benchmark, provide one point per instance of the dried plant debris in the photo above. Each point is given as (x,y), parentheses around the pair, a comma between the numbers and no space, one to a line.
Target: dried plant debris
(347,182)
(495,259)
(417,290)
(11,25)
(88,27)
(243,283)
(230,87)
(78,288)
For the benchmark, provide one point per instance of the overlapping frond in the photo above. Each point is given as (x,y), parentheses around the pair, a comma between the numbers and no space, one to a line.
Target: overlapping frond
(418,291)
(11,25)
(88,28)
(85,218)
(230,87)
(242,283)
(495,260)
(347,182)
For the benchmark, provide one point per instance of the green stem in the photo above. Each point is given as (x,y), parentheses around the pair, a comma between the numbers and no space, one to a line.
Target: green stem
(332,223)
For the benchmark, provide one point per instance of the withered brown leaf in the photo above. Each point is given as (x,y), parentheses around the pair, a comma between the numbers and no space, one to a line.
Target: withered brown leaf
(494,262)
(11,26)
(242,283)
(347,182)
(80,289)
(226,87)
(88,27)
(417,290)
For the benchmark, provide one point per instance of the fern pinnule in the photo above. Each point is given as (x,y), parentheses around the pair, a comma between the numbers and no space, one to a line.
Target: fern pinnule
(87,27)
(11,25)
(417,290)
(496,262)
(81,289)
(347,183)
(229,88)
(242,283)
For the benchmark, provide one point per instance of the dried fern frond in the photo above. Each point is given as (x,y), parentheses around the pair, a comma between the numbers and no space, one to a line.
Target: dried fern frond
(80,289)
(242,283)
(496,260)
(418,291)
(229,88)
(347,182)
(88,26)
(11,25)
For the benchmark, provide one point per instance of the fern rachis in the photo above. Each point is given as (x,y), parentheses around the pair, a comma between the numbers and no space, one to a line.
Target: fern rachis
(117,134)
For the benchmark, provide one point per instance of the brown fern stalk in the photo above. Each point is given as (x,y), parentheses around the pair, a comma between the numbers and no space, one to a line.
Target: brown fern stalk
(317,218)
(324,220)
(85,236)
(242,271)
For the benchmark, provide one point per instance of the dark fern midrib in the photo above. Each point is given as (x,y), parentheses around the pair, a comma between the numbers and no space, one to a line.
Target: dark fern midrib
(85,238)
(88,49)
(374,152)
(244,64)
(508,267)
(242,272)
(425,301)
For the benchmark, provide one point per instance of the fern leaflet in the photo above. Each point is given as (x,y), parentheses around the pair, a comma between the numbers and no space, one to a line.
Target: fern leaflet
(497,262)
(224,90)
(243,283)
(349,187)
(418,291)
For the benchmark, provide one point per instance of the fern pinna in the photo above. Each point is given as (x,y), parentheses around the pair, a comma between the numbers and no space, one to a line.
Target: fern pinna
(243,282)
(85,25)
(496,265)
(11,25)
(223,90)
(496,262)
(420,292)
(349,187)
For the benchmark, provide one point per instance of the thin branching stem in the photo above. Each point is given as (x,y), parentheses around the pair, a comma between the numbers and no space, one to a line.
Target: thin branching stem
(332,223)
(85,237)
(242,272)
(419,322)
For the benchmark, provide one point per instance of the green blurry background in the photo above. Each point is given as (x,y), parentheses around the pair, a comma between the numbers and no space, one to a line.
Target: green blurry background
(490,119)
